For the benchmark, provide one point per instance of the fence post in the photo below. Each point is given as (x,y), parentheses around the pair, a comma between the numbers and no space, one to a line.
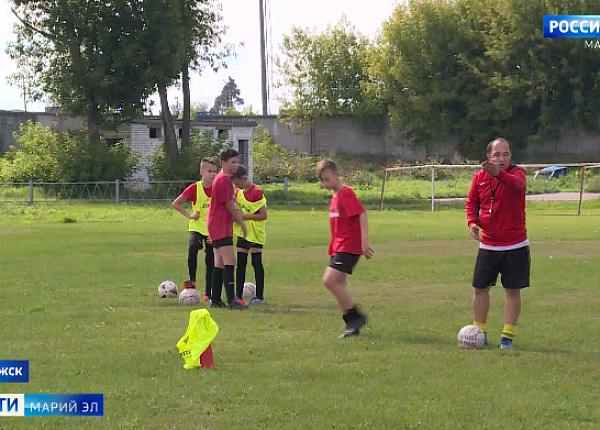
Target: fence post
(432,189)
(581,189)
(383,190)
(117,191)
(30,192)
(285,187)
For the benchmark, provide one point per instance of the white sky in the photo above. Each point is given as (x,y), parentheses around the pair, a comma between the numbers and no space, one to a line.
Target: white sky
(241,17)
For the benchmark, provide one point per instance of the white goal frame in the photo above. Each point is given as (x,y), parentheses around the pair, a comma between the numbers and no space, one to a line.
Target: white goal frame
(584,168)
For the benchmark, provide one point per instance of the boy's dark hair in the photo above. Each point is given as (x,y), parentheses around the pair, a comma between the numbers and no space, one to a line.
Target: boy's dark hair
(208,160)
(240,172)
(498,139)
(326,164)
(228,153)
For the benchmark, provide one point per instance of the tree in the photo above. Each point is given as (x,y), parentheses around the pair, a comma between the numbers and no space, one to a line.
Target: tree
(84,55)
(229,98)
(325,73)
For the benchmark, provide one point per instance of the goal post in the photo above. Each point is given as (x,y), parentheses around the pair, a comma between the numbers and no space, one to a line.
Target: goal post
(389,171)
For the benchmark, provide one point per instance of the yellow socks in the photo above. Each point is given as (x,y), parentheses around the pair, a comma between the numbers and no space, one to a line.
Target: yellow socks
(508,331)
(482,326)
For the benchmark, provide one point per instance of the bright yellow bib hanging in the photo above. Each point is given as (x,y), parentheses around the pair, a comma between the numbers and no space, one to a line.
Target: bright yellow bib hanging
(256,229)
(201,206)
(201,331)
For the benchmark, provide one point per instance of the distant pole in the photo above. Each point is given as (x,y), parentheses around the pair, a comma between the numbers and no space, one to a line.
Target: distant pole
(432,189)
(581,189)
(263,58)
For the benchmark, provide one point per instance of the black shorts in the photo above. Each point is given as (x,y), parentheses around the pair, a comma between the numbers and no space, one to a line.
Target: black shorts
(514,265)
(226,241)
(244,244)
(344,262)
(197,239)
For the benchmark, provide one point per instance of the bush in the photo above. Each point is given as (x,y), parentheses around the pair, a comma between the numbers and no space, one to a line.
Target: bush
(48,156)
(187,163)
(593,184)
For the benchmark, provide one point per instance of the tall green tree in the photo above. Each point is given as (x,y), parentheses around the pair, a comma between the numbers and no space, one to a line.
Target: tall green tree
(84,55)
(229,97)
(325,74)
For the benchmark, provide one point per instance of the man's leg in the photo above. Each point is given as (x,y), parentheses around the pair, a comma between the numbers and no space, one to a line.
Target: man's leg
(228,254)
(195,244)
(485,274)
(481,307)
(515,276)
(259,272)
(217,279)
(240,275)
(335,281)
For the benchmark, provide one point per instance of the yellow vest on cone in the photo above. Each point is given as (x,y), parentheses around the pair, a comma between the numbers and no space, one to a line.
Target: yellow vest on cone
(201,331)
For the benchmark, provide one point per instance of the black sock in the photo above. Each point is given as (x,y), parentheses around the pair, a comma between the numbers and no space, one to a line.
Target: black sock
(209,259)
(217,284)
(194,246)
(352,314)
(229,282)
(259,274)
(240,275)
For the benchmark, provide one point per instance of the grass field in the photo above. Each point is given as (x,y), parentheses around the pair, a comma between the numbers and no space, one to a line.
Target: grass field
(78,299)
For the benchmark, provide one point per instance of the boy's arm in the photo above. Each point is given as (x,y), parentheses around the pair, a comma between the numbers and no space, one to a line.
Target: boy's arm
(261,215)
(177,204)
(237,215)
(364,234)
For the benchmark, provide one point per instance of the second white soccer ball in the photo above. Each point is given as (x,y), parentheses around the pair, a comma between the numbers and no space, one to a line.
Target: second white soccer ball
(471,337)
(189,297)
(167,290)
(249,290)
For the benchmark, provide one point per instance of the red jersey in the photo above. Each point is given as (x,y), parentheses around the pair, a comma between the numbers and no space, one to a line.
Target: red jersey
(497,206)
(190,192)
(344,214)
(220,220)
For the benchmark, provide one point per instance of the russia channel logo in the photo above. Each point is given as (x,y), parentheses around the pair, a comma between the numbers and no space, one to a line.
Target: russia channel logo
(14,371)
(583,26)
(51,405)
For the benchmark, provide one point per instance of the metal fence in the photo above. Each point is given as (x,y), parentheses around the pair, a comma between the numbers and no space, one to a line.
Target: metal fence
(105,191)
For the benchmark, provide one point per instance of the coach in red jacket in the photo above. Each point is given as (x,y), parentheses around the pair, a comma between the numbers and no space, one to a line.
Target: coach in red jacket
(496,205)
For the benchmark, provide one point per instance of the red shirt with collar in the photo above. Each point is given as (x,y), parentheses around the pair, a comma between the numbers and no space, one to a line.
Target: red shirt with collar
(219,220)
(344,214)
(502,221)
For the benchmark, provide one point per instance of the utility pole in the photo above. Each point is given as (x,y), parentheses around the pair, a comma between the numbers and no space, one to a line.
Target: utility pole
(263,58)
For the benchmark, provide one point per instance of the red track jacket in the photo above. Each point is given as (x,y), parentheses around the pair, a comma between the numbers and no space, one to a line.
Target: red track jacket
(497,206)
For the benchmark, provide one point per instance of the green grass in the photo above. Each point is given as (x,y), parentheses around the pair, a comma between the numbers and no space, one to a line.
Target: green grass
(79,301)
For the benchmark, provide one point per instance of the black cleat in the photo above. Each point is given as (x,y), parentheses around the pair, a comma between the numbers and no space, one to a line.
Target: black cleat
(219,304)
(238,304)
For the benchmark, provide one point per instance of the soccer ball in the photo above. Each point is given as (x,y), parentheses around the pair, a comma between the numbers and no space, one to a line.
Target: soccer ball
(167,290)
(471,337)
(189,297)
(249,290)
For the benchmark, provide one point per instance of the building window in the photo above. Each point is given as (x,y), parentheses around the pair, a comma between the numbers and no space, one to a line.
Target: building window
(243,150)
(222,134)
(154,133)
(180,132)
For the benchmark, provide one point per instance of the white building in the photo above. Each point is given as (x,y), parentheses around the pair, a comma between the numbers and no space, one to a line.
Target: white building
(145,136)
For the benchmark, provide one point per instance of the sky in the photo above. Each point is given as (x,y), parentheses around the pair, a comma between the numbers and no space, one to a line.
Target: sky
(242,19)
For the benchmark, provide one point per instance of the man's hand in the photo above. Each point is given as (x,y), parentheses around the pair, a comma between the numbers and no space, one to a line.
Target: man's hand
(474,230)
(491,168)
(367,250)
(244,231)
(194,215)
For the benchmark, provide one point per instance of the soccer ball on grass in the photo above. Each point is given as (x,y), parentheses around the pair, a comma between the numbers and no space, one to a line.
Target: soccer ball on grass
(471,337)
(167,290)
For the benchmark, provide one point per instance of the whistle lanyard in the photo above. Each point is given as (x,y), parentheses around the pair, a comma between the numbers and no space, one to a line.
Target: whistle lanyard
(493,192)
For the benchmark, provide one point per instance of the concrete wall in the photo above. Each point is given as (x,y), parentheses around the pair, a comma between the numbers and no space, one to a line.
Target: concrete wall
(346,135)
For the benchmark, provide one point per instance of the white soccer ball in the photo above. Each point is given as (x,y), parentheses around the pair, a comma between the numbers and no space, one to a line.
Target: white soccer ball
(167,290)
(189,297)
(471,337)
(249,290)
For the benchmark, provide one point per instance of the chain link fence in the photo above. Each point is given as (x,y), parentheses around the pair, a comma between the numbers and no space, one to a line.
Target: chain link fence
(106,191)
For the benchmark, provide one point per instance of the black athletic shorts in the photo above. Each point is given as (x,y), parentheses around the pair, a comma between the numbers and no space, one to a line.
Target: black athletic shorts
(244,244)
(197,239)
(344,262)
(227,241)
(514,265)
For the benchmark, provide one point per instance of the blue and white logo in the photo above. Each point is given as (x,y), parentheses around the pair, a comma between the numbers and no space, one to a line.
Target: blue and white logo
(583,26)
(15,371)
(51,405)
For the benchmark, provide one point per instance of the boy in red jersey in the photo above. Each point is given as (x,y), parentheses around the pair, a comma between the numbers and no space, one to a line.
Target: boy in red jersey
(199,194)
(496,205)
(221,214)
(349,240)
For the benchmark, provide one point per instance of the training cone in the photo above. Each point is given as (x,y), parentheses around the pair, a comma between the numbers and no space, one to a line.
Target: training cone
(206,359)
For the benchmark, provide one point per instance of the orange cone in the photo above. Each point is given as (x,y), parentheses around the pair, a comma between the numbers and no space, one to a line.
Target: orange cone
(206,359)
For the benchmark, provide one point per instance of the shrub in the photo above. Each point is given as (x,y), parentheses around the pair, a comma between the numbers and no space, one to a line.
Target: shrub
(48,156)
